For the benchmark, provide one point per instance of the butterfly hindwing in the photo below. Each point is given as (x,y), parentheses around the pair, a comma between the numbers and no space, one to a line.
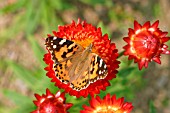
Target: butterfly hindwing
(96,70)
(81,82)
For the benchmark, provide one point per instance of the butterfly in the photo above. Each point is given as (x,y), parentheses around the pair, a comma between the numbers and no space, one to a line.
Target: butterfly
(75,64)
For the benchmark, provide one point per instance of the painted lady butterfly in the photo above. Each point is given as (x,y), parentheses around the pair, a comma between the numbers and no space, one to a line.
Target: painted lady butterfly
(75,64)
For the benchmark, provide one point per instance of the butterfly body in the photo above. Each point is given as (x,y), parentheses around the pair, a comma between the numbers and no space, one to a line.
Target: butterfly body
(75,64)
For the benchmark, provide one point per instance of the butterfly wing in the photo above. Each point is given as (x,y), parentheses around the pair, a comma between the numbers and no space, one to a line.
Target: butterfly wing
(61,49)
(66,56)
(96,70)
(63,52)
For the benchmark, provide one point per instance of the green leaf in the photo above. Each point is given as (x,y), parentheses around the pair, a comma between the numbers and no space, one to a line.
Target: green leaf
(78,102)
(13,30)
(126,71)
(93,2)
(26,75)
(56,4)
(46,17)
(13,7)
(25,108)
(157,10)
(22,103)
(61,5)
(44,83)
(15,97)
(5,109)
(151,107)
(113,15)
(32,17)
(38,51)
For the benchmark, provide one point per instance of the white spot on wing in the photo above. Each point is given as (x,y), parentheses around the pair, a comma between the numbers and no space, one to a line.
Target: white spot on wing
(54,46)
(100,72)
(62,41)
(105,66)
(54,38)
(101,61)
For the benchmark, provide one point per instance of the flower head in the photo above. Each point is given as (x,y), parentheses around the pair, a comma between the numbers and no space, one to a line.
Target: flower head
(107,105)
(146,43)
(85,34)
(51,103)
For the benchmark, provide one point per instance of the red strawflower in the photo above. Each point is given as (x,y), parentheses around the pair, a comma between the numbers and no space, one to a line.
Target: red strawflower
(146,43)
(85,34)
(50,103)
(107,105)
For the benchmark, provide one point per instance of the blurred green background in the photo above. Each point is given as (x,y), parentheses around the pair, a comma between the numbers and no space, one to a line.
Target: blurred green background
(25,23)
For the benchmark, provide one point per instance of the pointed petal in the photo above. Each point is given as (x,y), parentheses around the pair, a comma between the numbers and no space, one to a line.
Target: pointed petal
(131,32)
(126,39)
(141,64)
(165,39)
(157,59)
(48,92)
(94,103)
(137,26)
(68,105)
(146,25)
(107,99)
(87,108)
(37,103)
(146,64)
(155,24)
(37,96)
(166,52)
(163,34)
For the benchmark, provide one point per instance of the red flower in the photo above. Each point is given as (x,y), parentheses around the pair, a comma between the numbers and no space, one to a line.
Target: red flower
(85,34)
(146,43)
(107,105)
(51,103)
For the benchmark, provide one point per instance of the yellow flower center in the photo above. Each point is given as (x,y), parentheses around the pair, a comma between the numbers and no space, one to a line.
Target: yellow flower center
(108,109)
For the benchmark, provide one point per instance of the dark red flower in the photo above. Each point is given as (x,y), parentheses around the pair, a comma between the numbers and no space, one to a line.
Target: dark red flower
(85,34)
(50,103)
(107,105)
(146,43)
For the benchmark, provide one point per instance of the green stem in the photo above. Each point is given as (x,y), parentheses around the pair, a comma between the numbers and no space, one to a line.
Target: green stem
(121,54)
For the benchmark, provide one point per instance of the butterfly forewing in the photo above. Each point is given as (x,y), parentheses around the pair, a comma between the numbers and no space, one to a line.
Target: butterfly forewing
(61,49)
